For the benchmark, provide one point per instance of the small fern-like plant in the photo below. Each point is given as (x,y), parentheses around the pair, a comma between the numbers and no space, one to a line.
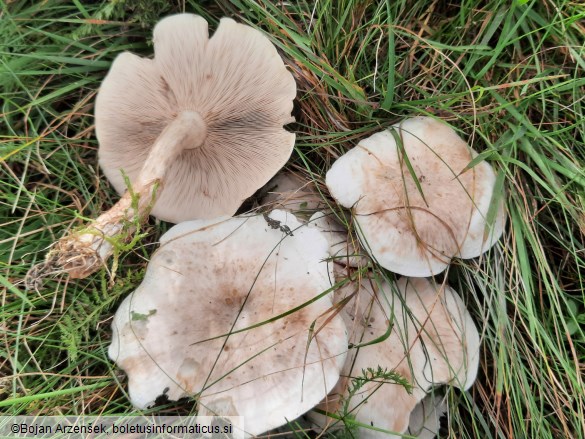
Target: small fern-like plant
(370,375)
(77,325)
(379,376)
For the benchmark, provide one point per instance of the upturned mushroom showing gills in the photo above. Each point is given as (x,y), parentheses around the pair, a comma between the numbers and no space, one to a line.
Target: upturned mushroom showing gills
(414,199)
(235,313)
(196,130)
(432,341)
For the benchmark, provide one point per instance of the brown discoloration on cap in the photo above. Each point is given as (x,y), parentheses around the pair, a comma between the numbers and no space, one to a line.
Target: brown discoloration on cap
(241,282)
(344,249)
(412,230)
(432,341)
(435,223)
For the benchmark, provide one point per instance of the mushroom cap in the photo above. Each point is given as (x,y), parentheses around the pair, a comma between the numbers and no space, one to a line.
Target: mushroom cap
(291,192)
(235,81)
(343,250)
(433,341)
(447,331)
(406,233)
(425,419)
(214,277)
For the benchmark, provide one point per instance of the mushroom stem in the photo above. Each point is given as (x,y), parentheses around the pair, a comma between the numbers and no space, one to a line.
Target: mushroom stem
(85,250)
(186,131)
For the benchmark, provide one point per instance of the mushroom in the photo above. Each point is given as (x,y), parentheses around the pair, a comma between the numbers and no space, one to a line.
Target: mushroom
(415,202)
(196,130)
(291,192)
(234,312)
(432,341)
(425,418)
(343,250)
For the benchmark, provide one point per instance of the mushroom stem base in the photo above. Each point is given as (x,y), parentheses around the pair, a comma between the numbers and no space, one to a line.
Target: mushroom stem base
(84,251)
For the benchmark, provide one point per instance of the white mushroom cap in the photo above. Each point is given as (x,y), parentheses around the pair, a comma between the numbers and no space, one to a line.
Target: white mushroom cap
(343,250)
(234,90)
(406,232)
(425,418)
(433,341)
(450,337)
(291,192)
(214,277)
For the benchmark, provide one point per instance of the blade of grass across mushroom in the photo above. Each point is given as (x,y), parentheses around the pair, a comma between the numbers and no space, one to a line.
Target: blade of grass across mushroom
(404,156)
(434,341)
(301,306)
(493,218)
(383,191)
(319,324)
(471,194)
(271,274)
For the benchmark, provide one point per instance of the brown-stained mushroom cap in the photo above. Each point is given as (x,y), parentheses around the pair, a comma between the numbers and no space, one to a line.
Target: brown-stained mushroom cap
(234,312)
(232,88)
(343,250)
(417,205)
(425,418)
(293,193)
(432,340)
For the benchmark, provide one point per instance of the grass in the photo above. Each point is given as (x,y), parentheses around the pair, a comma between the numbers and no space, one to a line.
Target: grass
(509,75)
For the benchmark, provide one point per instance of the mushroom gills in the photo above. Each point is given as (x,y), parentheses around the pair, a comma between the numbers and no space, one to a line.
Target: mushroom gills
(174,132)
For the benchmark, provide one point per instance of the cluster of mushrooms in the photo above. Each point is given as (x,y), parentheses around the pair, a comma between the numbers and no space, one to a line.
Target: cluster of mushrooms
(274,315)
